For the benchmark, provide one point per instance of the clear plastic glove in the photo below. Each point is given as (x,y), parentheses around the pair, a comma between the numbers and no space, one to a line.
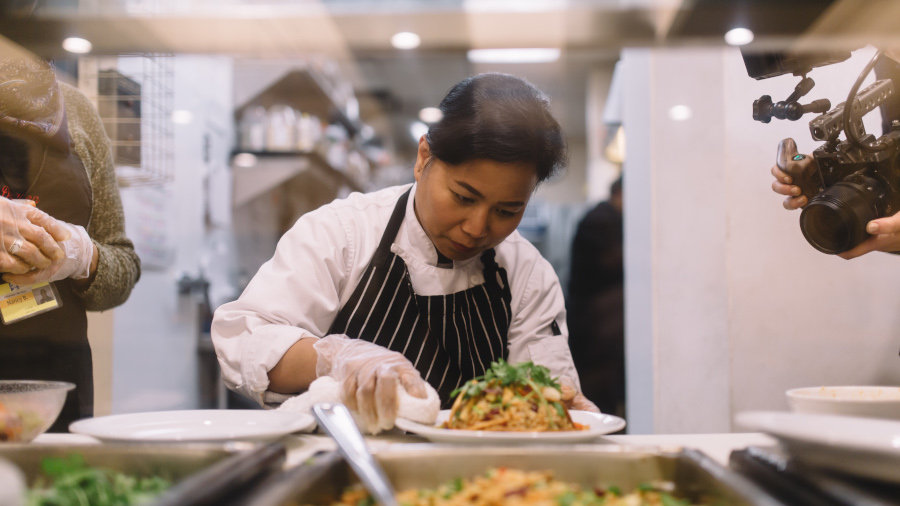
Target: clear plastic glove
(573,399)
(78,250)
(28,238)
(368,375)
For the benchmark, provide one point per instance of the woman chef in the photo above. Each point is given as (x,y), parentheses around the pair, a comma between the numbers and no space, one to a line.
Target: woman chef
(424,281)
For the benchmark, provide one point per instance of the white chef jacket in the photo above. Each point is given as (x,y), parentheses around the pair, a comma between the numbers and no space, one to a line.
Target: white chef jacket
(321,259)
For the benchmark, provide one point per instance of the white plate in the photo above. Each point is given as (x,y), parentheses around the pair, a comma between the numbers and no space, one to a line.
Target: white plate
(866,447)
(599,424)
(194,425)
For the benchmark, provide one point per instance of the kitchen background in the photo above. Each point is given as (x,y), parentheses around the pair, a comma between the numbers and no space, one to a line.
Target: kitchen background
(230,119)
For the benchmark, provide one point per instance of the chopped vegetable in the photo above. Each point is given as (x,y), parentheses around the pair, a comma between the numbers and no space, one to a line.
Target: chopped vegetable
(72,482)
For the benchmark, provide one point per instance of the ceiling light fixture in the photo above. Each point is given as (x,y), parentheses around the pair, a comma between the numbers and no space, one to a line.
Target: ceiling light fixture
(405,40)
(680,113)
(430,115)
(520,55)
(738,36)
(77,45)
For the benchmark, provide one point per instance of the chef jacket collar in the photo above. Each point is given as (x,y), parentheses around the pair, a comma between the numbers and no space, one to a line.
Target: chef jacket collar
(421,246)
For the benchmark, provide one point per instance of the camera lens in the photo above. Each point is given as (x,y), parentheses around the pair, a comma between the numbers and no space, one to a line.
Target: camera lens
(835,220)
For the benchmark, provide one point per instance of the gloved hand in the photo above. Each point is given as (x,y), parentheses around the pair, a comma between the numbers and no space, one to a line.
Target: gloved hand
(78,250)
(368,375)
(28,238)
(573,399)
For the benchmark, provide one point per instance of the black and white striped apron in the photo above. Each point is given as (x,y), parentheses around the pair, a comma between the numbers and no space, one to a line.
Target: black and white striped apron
(449,338)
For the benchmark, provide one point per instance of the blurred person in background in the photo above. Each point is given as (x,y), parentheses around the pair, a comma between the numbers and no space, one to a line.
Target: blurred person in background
(428,281)
(596,308)
(61,229)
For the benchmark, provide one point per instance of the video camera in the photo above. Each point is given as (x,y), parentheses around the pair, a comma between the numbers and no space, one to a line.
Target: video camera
(847,183)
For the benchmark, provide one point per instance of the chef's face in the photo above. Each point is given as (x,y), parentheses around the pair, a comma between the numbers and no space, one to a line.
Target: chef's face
(468,208)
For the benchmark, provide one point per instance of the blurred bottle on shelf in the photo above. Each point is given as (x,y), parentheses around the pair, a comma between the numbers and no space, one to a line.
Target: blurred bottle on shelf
(282,126)
(253,129)
(309,132)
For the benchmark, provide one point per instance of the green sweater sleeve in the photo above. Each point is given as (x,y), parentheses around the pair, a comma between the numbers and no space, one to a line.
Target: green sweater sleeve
(118,266)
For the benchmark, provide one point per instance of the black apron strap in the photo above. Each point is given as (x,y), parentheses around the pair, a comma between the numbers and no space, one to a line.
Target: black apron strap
(383,253)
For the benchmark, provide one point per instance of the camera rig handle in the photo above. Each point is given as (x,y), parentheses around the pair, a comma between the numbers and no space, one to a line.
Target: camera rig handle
(803,169)
(790,109)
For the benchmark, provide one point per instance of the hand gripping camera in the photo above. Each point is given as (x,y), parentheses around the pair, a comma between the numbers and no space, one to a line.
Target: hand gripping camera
(847,183)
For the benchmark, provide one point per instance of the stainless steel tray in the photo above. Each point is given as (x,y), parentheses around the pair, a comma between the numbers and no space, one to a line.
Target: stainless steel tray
(695,475)
(202,473)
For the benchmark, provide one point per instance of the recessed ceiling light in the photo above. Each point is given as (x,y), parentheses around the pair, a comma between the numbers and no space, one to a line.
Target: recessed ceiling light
(680,113)
(405,40)
(738,36)
(245,160)
(77,45)
(520,55)
(417,130)
(182,117)
(430,115)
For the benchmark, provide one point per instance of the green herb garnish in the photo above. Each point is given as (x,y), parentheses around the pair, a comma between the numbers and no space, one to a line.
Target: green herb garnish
(526,374)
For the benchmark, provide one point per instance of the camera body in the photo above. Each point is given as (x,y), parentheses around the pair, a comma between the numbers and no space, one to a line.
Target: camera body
(853,181)
(855,188)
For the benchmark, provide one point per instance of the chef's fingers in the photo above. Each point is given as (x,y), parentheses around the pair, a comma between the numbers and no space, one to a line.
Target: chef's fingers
(792,203)
(385,398)
(413,383)
(348,392)
(568,391)
(582,403)
(54,227)
(365,397)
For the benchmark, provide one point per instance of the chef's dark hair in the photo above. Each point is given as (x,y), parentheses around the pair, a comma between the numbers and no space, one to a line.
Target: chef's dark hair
(498,117)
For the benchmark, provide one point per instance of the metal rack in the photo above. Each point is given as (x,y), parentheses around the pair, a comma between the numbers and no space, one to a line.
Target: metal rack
(133,94)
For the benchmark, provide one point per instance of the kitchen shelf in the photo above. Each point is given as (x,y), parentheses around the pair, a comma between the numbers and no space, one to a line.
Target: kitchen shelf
(275,168)
(306,91)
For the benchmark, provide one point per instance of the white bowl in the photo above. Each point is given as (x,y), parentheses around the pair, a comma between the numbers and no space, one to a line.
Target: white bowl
(864,401)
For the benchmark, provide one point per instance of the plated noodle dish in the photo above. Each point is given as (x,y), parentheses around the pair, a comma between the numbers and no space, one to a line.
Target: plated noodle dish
(521,397)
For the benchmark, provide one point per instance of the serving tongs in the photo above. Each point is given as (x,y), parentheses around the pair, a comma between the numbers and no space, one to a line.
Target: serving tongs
(336,421)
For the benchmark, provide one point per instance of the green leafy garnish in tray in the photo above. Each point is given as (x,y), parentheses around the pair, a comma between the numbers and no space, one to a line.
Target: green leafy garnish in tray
(72,482)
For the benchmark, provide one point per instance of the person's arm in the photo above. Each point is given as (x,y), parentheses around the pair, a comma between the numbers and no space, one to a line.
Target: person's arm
(289,304)
(538,330)
(115,267)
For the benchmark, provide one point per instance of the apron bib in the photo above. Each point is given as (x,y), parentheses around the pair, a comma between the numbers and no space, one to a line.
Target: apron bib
(52,345)
(449,338)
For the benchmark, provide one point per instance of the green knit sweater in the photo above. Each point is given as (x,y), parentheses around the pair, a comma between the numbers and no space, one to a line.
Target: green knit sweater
(118,266)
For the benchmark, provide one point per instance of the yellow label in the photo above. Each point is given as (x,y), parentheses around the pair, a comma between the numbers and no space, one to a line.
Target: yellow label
(18,302)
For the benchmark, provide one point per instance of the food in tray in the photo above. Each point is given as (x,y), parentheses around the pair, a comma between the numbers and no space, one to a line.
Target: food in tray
(522,397)
(72,482)
(502,486)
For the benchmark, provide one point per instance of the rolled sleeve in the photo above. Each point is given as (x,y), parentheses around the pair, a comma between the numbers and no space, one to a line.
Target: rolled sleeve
(293,296)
